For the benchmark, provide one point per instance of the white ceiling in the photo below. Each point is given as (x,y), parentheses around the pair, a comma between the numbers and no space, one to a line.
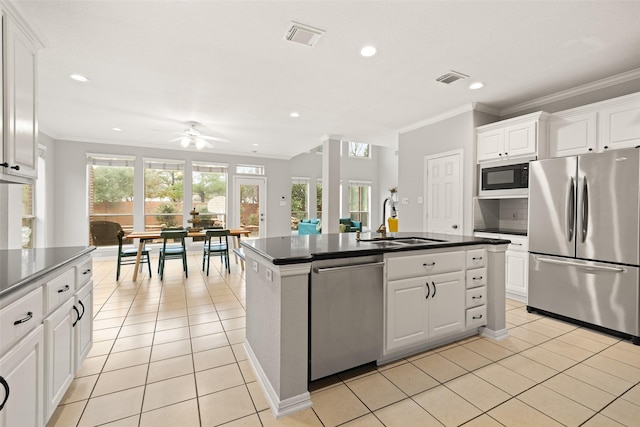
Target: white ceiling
(153,65)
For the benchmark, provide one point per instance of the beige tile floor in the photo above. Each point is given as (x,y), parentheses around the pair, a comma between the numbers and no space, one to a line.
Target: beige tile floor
(170,354)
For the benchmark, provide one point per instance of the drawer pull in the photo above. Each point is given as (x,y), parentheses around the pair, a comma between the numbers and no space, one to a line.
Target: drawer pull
(87,271)
(516,244)
(429,265)
(479,316)
(24,319)
(65,289)
(6,392)
(476,297)
(477,258)
(477,278)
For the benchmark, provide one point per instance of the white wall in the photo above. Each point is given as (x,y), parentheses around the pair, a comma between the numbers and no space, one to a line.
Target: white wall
(71,222)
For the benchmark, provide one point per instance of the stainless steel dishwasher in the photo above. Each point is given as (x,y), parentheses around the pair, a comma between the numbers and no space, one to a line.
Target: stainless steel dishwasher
(346,314)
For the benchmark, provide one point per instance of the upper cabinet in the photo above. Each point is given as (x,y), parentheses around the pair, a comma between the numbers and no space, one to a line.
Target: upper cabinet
(19,101)
(606,125)
(508,139)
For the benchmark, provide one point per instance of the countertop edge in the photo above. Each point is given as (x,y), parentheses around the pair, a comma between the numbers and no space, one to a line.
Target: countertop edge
(41,273)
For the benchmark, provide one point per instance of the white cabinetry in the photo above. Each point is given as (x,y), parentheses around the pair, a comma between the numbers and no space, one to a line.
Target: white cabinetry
(20,139)
(425,296)
(516,265)
(519,137)
(44,337)
(21,392)
(605,125)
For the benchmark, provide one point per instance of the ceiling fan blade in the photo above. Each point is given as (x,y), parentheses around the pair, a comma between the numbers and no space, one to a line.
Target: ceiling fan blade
(213,138)
(176,139)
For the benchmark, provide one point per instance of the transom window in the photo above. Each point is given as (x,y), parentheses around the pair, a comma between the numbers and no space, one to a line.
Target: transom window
(250,169)
(357,149)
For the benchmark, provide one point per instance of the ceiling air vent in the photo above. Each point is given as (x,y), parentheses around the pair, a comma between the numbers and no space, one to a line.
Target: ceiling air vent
(451,77)
(303,34)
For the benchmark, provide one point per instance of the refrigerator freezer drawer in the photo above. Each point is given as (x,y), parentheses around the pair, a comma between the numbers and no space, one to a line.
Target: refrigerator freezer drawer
(602,294)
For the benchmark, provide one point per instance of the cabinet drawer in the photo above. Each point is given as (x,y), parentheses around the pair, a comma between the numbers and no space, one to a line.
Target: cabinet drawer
(517,243)
(476,277)
(83,273)
(476,258)
(477,316)
(17,319)
(58,290)
(425,264)
(476,297)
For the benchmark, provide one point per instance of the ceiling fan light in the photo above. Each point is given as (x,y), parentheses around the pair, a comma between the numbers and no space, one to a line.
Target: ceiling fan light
(200,143)
(184,142)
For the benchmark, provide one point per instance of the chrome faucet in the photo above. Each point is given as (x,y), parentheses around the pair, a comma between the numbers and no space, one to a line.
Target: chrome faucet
(383,228)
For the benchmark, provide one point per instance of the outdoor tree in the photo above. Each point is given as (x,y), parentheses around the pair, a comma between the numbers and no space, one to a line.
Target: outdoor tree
(112,184)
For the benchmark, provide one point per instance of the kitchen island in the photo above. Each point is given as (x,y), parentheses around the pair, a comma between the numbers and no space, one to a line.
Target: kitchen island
(430,286)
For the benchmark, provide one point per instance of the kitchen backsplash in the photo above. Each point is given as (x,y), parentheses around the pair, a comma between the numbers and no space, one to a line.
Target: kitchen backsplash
(501,213)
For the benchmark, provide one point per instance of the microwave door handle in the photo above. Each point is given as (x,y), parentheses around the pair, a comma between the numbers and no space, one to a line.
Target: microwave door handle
(571,210)
(585,209)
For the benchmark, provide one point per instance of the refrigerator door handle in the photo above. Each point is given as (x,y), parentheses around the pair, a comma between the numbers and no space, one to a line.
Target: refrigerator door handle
(571,210)
(585,209)
(579,265)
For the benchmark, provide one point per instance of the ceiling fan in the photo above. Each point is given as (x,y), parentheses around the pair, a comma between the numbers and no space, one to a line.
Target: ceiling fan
(193,136)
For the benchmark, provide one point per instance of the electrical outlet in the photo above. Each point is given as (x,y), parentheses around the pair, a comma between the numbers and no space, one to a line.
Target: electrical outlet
(514,215)
(269,275)
(254,265)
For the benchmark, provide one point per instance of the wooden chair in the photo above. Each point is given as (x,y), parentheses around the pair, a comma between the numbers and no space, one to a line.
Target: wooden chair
(218,247)
(128,256)
(173,251)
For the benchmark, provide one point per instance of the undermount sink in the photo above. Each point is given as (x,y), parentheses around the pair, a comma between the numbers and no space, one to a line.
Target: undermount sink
(403,241)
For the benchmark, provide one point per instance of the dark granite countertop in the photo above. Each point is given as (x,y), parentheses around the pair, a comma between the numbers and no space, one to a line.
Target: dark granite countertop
(302,249)
(502,231)
(18,267)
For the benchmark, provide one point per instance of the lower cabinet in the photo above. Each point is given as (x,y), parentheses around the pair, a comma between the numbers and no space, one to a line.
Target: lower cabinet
(59,348)
(430,306)
(83,328)
(517,274)
(21,375)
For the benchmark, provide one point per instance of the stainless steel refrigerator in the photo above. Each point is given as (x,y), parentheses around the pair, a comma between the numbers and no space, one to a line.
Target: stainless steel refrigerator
(584,240)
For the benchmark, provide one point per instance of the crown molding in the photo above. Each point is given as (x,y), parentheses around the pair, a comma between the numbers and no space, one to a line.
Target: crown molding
(575,91)
(36,37)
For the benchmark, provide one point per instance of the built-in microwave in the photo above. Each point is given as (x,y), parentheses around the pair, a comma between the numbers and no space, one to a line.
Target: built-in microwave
(510,178)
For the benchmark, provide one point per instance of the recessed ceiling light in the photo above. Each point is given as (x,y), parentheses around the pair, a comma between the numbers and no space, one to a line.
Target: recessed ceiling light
(116,129)
(294,114)
(256,145)
(368,51)
(476,85)
(79,78)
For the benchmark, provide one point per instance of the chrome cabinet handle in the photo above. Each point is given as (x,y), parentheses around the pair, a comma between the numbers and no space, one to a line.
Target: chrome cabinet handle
(65,289)
(571,208)
(585,209)
(6,392)
(28,317)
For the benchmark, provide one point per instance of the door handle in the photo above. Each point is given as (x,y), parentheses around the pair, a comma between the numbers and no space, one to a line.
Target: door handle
(428,290)
(571,210)
(585,209)
(454,226)
(434,289)
(6,392)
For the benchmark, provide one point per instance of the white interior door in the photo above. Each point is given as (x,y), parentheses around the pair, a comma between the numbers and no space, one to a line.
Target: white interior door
(443,192)
(250,203)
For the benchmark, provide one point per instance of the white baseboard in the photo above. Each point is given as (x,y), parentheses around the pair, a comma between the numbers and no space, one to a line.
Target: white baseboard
(280,408)
(498,335)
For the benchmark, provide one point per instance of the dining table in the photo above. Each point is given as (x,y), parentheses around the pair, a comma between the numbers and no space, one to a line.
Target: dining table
(144,236)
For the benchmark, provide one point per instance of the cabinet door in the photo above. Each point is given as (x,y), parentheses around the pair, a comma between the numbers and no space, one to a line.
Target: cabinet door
(516,274)
(83,330)
(446,303)
(490,145)
(619,126)
(574,135)
(59,366)
(406,313)
(22,368)
(520,140)
(20,94)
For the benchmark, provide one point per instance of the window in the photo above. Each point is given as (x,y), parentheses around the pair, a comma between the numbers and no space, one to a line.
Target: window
(357,149)
(299,201)
(163,194)
(28,216)
(359,206)
(250,169)
(110,190)
(210,194)
(319,198)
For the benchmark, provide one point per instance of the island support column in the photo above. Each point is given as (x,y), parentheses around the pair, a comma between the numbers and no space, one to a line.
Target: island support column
(496,294)
(277,332)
